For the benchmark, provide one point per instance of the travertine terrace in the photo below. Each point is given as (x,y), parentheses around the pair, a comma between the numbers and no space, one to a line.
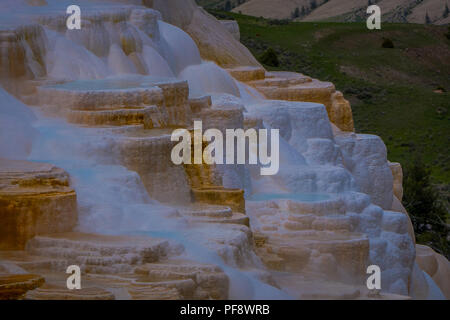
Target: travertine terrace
(86,176)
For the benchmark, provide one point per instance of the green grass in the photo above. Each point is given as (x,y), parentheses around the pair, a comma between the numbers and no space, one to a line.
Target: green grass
(391,90)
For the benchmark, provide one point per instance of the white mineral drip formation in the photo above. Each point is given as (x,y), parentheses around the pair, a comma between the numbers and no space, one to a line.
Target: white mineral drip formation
(130,75)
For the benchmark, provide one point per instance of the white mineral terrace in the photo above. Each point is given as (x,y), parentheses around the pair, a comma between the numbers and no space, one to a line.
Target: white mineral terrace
(100,104)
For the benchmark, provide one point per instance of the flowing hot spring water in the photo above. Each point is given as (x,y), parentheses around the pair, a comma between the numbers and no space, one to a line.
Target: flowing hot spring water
(112,199)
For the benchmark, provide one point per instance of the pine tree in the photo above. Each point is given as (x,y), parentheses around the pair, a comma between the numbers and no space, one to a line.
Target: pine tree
(303,12)
(427,19)
(427,211)
(270,58)
(228,6)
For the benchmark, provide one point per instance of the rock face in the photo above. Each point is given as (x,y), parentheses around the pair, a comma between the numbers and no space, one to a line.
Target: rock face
(34,199)
(300,237)
(13,287)
(397,173)
(366,157)
(112,268)
(436,266)
(340,112)
(106,110)
(215,42)
(232,27)
(292,86)
(144,113)
(16,128)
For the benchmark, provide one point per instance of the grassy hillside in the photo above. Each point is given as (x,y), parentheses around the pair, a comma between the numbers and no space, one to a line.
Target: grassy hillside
(401,93)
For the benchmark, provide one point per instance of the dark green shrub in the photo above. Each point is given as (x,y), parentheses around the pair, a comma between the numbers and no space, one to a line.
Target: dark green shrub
(427,211)
(441,88)
(427,19)
(270,58)
(278,22)
(387,43)
(227,6)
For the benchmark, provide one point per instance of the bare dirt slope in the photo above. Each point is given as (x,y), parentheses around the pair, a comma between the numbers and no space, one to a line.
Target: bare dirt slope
(275,9)
(348,10)
(434,9)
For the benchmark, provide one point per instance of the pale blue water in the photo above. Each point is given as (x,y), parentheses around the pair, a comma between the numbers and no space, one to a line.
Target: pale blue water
(305,197)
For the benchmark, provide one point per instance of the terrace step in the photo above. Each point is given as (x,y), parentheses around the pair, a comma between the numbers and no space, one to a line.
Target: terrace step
(51,292)
(298,208)
(281,79)
(148,116)
(96,252)
(115,96)
(246,74)
(190,279)
(325,251)
(204,210)
(35,198)
(64,97)
(13,287)
(309,91)
(204,213)
(199,103)
(234,198)
(303,233)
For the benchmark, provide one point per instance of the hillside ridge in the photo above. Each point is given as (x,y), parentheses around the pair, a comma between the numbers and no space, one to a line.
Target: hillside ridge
(410,11)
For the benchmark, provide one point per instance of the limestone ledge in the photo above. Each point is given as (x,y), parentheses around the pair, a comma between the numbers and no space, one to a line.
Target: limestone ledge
(204,213)
(159,103)
(290,86)
(309,287)
(148,116)
(13,287)
(35,199)
(98,99)
(113,267)
(304,237)
(436,266)
(233,27)
(318,238)
(234,198)
(148,153)
(13,59)
(397,173)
